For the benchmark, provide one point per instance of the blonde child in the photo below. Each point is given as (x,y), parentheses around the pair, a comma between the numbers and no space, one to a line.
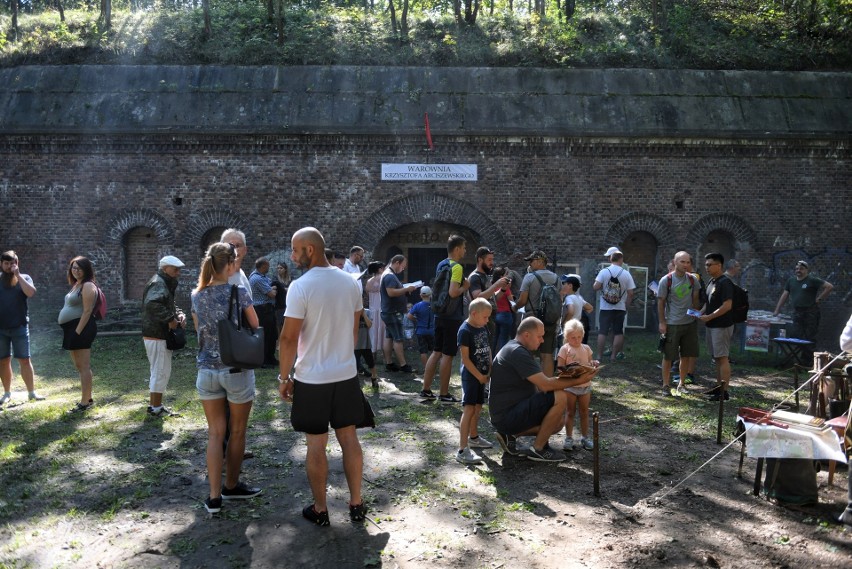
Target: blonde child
(574,350)
(475,353)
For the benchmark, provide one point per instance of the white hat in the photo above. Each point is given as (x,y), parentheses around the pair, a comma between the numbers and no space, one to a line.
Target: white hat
(611,251)
(171,261)
(425,291)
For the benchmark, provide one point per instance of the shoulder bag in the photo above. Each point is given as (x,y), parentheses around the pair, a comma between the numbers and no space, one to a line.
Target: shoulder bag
(239,346)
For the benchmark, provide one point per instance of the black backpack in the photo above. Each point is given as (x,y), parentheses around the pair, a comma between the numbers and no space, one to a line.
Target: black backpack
(739,304)
(442,302)
(549,309)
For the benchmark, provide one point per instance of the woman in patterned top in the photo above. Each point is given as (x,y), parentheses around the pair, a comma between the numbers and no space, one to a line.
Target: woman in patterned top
(218,385)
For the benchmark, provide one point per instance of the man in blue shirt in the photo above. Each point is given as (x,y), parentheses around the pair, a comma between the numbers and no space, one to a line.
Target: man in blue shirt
(263,298)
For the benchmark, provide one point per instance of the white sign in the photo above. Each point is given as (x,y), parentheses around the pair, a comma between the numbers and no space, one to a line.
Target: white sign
(429,172)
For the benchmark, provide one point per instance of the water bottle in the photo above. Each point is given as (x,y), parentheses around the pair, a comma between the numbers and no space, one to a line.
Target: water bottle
(661,346)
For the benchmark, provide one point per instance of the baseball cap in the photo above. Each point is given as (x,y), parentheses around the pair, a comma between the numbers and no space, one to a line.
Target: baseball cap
(425,291)
(535,255)
(171,261)
(612,251)
(565,278)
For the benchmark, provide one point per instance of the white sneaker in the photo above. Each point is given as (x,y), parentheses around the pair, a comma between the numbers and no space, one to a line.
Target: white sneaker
(569,444)
(478,442)
(5,398)
(467,456)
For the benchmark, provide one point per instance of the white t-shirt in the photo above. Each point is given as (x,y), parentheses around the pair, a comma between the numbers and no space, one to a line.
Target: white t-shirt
(575,304)
(326,300)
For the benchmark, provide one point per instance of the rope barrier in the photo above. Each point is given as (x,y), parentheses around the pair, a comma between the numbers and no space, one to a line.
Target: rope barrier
(741,435)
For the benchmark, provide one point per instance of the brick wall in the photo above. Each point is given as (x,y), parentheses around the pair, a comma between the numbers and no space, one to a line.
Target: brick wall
(775,199)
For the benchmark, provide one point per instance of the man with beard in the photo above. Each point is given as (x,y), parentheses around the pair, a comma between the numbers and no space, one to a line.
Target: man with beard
(15,289)
(159,315)
(482,287)
(321,326)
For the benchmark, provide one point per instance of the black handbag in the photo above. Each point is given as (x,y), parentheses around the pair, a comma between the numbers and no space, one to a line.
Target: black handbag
(239,346)
(176,338)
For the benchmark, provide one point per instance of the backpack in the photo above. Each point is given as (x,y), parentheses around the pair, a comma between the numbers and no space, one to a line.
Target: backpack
(100,309)
(442,302)
(739,306)
(99,312)
(612,291)
(549,309)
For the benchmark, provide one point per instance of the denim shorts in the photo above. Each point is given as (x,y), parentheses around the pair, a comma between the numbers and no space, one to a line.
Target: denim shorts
(15,340)
(473,392)
(393,325)
(221,383)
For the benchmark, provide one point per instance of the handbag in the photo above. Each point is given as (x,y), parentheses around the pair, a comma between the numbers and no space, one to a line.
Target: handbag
(176,338)
(239,346)
(369,419)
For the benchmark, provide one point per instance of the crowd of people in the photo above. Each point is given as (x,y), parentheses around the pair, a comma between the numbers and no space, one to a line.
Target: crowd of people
(517,349)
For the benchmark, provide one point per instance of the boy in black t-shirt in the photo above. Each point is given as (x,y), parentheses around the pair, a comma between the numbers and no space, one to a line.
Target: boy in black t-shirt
(473,342)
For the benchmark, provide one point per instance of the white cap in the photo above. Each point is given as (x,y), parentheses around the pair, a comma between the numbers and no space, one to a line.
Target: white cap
(611,251)
(425,291)
(171,261)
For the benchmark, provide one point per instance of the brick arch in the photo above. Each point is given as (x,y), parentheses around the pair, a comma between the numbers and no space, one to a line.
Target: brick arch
(639,221)
(742,232)
(201,222)
(127,220)
(429,207)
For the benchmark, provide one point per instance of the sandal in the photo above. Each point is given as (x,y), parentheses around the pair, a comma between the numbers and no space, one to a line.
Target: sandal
(81,407)
(358,512)
(319,518)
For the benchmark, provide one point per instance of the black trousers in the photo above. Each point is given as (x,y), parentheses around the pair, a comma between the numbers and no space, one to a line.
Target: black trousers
(266,317)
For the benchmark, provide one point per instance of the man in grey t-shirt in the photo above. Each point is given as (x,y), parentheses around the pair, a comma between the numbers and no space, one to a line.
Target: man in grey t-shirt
(677,294)
(530,297)
(525,401)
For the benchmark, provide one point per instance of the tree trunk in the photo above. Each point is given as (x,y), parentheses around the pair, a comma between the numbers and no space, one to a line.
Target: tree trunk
(208,30)
(457,12)
(270,10)
(403,21)
(14,20)
(279,21)
(393,17)
(106,14)
(61,10)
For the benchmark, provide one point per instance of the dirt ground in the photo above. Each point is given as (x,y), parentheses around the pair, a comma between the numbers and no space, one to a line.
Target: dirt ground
(427,510)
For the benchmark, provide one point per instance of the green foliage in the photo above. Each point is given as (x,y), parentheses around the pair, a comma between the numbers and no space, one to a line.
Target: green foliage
(709,34)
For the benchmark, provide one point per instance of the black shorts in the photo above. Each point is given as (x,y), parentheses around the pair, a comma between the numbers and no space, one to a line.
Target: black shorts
(315,407)
(611,319)
(425,343)
(446,336)
(72,341)
(526,414)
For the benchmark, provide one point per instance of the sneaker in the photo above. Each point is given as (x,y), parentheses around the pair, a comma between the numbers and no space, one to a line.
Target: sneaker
(407,369)
(213,505)
(357,513)
(364,372)
(448,398)
(546,454)
(668,391)
(241,491)
(587,443)
(681,389)
(467,456)
(5,398)
(607,352)
(478,442)
(508,443)
(392,367)
(319,518)
(690,379)
(80,407)
(162,412)
(34,397)
(620,356)
(569,444)
(426,393)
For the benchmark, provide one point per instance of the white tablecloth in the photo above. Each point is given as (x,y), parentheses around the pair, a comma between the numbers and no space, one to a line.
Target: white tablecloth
(768,441)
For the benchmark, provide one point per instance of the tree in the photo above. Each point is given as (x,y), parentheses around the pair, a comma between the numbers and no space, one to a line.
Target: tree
(106,13)
(208,30)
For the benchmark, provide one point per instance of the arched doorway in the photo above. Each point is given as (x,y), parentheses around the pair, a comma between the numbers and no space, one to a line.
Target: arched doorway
(424,244)
(140,248)
(717,241)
